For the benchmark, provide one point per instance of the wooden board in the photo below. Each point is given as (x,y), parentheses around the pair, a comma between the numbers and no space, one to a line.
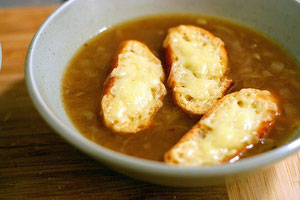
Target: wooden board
(35,163)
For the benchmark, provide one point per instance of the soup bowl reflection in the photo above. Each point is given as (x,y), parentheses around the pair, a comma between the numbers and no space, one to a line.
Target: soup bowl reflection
(76,21)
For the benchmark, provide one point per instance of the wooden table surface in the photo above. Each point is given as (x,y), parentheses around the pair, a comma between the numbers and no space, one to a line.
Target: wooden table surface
(35,163)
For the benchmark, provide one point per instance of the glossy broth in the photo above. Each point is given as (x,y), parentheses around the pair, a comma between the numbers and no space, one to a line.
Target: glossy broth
(254,62)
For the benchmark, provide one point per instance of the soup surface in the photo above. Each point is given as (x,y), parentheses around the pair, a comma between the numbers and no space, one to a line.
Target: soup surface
(254,62)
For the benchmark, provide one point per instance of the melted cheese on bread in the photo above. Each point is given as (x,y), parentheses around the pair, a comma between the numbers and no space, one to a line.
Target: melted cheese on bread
(198,63)
(135,90)
(237,120)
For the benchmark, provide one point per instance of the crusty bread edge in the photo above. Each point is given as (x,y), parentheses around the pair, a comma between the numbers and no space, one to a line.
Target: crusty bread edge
(109,82)
(170,58)
(229,84)
(263,130)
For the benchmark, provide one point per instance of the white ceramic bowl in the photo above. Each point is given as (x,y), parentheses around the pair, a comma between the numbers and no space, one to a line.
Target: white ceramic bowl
(78,20)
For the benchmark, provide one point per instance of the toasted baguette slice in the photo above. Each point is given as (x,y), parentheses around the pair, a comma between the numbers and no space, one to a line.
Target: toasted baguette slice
(134,89)
(239,119)
(197,63)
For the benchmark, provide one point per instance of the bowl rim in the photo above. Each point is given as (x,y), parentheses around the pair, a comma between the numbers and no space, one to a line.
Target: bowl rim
(129,162)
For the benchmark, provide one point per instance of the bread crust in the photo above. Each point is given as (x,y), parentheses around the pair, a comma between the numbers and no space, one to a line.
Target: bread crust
(110,82)
(200,129)
(171,60)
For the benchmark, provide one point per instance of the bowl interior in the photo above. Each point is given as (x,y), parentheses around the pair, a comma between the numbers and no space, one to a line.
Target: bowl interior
(78,20)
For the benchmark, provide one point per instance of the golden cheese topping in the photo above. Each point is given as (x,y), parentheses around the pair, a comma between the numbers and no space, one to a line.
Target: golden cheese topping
(198,68)
(228,129)
(137,89)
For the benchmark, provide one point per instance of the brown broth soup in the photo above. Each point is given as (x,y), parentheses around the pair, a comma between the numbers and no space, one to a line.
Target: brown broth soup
(254,62)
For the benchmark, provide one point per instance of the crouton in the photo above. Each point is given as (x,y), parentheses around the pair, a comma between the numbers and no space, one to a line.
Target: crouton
(197,63)
(134,90)
(238,120)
